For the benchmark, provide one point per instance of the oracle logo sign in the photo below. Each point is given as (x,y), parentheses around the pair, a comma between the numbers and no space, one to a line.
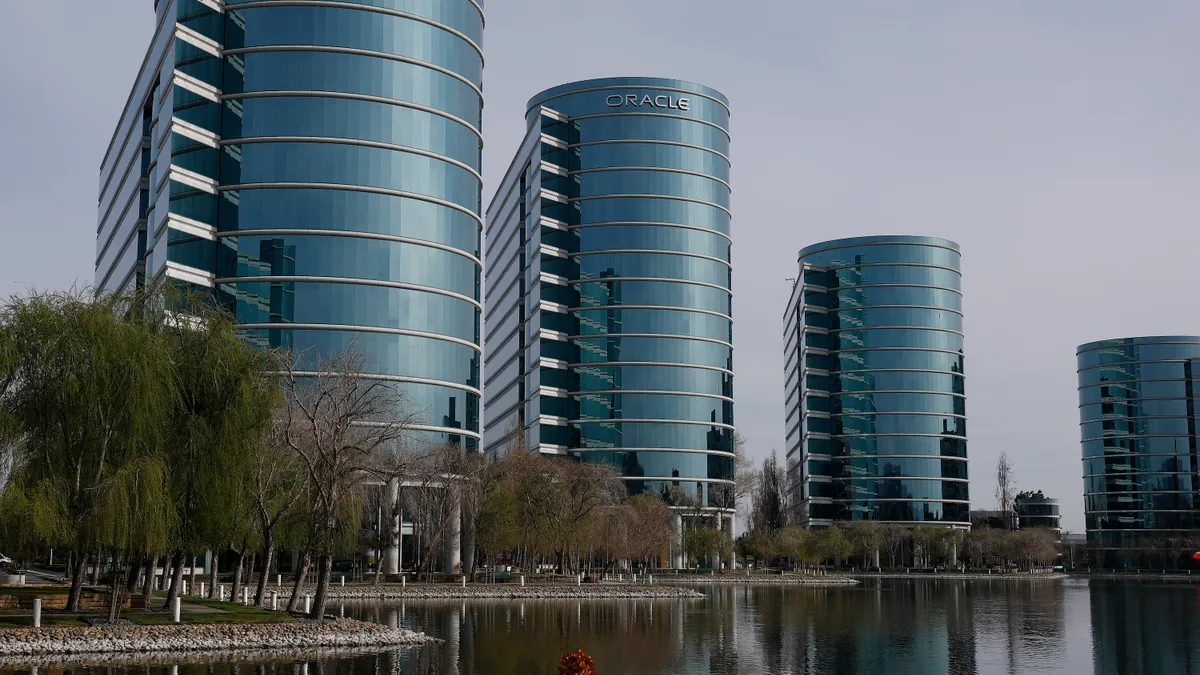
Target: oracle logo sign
(660,101)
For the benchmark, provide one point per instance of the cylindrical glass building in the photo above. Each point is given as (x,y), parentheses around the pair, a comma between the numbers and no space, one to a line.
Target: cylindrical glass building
(1137,412)
(340,201)
(623,192)
(875,397)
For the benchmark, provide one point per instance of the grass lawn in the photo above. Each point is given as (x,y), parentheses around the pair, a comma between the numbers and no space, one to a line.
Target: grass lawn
(227,612)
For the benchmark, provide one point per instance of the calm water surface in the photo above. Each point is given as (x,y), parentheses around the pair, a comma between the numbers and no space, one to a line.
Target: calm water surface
(917,627)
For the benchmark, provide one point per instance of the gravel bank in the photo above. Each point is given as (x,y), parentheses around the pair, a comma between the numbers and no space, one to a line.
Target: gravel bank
(169,658)
(507,591)
(954,576)
(759,579)
(202,637)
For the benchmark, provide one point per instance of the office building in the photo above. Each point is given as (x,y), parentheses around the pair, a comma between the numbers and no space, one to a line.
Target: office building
(875,403)
(316,166)
(1034,509)
(609,314)
(1137,412)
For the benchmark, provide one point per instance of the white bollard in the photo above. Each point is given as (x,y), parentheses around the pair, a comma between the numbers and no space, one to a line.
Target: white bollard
(635,578)
(621,577)
(278,579)
(245,595)
(221,592)
(464,580)
(651,579)
(579,580)
(184,584)
(202,587)
(37,612)
(274,601)
(343,580)
(522,581)
(175,610)
(342,611)
(308,604)
(403,581)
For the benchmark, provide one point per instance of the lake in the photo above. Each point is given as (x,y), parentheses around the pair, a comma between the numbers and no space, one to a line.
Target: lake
(913,627)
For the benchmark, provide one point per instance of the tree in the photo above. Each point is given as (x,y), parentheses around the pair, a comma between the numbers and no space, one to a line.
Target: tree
(828,544)
(1005,480)
(867,537)
(769,510)
(340,421)
(87,390)
(651,528)
(894,537)
(278,486)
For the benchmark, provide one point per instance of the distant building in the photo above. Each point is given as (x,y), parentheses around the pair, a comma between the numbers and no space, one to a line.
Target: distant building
(875,407)
(987,518)
(1137,411)
(1033,509)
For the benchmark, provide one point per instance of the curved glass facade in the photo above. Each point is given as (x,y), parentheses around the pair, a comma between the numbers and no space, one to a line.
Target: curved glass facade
(876,406)
(325,169)
(1137,412)
(609,282)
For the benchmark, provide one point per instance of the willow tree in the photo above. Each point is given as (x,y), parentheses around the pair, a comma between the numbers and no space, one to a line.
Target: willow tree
(87,390)
(226,393)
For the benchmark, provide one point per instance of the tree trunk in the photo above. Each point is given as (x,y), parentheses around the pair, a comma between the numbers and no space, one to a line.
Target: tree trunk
(239,560)
(117,599)
(95,578)
(135,569)
(378,568)
(324,571)
(268,553)
(166,573)
(148,581)
(76,583)
(301,572)
(176,577)
(212,576)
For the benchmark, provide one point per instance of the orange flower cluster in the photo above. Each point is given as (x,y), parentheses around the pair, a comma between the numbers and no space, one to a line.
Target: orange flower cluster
(576,663)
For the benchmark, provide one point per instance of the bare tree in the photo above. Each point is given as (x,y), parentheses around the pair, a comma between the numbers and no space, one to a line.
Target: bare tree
(1005,481)
(893,540)
(343,423)
(770,497)
(429,489)
(278,484)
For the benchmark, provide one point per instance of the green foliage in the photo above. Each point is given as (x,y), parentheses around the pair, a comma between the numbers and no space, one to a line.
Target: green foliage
(827,544)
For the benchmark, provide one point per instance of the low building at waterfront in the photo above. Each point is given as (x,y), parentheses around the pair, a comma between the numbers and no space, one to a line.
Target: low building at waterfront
(1034,509)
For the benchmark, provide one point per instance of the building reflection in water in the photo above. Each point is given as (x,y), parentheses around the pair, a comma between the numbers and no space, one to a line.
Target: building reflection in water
(1144,628)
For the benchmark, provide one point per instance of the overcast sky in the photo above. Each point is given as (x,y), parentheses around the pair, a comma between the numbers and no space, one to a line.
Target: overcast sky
(1058,143)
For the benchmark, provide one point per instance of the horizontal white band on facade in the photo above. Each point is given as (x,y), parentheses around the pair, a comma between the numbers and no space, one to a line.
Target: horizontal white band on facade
(1092,347)
(352,234)
(861,308)
(652,141)
(663,279)
(882,242)
(337,140)
(1108,383)
(835,373)
(837,268)
(387,378)
(313,93)
(198,40)
(1137,437)
(194,85)
(654,251)
(651,421)
(1121,364)
(670,479)
(608,364)
(191,275)
(305,185)
(348,280)
(889,412)
(670,308)
(889,391)
(606,336)
(365,8)
(652,87)
(633,195)
(836,289)
(359,329)
(627,223)
(193,179)
(692,451)
(853,350)
(924,500)
(897,434)
(663,169)
(191,226)
(422,427)
(834,331)
(680,118)
(822,457)
(840,479)
(654,392)
(354,51)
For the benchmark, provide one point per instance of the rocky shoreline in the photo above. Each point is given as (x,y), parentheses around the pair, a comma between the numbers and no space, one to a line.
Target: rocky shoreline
(506,591)
(956,576)
(215,637)
(761,579)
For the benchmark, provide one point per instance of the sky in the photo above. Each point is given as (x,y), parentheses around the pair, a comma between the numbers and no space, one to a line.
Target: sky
(1057,143)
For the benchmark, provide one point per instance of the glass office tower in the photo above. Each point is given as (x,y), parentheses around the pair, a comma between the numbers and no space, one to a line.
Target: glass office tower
(1137,412)
(316,166)
(875,402)
(609,313)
